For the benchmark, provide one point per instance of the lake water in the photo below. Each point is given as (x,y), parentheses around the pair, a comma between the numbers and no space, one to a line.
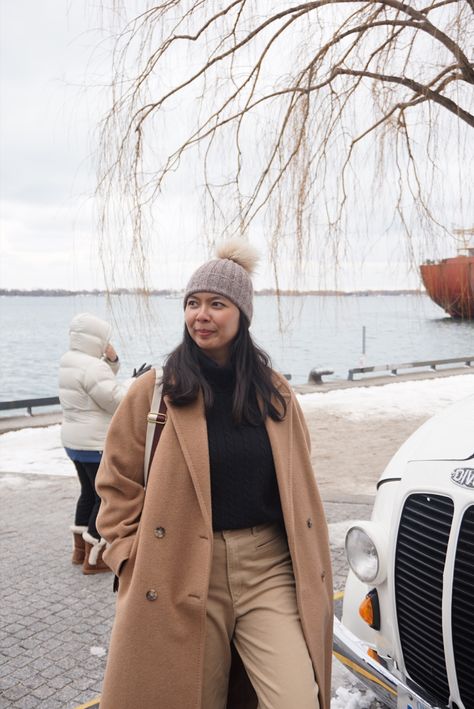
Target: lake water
(300,332)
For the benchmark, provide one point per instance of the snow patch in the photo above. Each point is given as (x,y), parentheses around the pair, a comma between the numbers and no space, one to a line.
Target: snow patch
(35,450)
(98,651)
(413,399)
(353,699)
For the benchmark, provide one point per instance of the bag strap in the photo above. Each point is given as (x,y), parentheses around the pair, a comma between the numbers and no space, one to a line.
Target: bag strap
(157,415)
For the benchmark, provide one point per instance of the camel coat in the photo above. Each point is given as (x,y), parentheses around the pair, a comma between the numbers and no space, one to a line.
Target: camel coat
(166,537)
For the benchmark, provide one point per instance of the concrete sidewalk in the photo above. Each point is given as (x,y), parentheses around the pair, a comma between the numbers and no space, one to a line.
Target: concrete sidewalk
(52,615)
(55,622)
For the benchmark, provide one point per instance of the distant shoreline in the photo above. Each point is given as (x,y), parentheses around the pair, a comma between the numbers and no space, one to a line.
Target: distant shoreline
(57,292)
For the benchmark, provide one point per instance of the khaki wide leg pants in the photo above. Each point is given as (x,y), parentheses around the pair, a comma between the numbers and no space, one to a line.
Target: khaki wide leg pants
(252,602)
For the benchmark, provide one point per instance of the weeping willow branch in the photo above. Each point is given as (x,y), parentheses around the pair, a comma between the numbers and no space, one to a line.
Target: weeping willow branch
(278,107)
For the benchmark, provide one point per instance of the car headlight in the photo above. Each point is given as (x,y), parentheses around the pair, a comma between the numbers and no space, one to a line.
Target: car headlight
(365,551)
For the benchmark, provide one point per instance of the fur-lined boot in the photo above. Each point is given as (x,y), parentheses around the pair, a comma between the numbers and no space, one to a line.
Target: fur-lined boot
(78,543)
(94,548)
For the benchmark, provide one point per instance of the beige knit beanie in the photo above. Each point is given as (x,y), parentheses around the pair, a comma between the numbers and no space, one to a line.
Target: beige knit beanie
(228,275)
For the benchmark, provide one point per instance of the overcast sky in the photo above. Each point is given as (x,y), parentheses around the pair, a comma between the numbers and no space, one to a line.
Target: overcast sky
(47,122)
(53,61)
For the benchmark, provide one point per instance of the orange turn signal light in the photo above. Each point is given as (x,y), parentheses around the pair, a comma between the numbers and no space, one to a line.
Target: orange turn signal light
(369,609)
(373,654)
(366,610)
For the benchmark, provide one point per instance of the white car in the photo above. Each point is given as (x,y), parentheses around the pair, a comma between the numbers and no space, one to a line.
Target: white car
(407,627)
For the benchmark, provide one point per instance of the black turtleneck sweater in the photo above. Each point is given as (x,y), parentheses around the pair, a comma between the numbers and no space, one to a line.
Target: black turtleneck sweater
(244,488)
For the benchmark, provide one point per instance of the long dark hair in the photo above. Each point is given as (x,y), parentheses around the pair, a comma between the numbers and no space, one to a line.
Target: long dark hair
(183,378)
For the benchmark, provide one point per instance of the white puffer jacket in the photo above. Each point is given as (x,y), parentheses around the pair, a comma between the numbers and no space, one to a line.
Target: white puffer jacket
(89,391)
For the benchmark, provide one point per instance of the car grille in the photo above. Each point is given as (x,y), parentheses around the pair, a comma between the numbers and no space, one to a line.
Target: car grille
(419,564)
(422,542)
(462,612)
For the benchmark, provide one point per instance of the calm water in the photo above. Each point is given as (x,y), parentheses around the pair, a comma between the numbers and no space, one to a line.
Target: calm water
(309,331)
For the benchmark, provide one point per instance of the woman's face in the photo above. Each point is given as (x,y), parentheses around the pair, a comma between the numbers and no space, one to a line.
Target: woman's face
(213,322)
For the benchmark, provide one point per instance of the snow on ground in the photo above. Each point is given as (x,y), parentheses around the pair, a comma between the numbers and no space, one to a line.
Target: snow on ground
(347,692)
(423,397)
(353,699)
(39,450)
(34,450)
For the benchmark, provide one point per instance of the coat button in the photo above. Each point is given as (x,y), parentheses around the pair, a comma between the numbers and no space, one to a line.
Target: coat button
(309,522)
(160,532)
(151,595)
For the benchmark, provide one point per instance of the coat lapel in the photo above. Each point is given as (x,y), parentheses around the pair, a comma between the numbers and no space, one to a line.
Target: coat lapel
(280,435)
(190,425)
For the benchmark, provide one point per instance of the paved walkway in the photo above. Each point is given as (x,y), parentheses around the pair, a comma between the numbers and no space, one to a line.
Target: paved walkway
(52,615)
(55,622)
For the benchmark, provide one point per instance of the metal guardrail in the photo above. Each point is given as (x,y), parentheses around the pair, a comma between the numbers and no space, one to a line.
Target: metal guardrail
(29,404)
(393,368)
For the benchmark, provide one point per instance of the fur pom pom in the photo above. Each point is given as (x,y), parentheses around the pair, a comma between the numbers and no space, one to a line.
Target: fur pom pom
(240,252)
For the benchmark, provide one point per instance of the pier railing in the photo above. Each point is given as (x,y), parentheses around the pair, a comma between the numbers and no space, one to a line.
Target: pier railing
(29,404)
(393,369)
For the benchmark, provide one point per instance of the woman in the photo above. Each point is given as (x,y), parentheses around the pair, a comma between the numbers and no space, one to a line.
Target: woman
(223,566)
(89,394)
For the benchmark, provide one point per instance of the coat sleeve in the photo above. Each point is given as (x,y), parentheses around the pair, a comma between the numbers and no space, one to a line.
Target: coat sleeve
(293,402)
(301,420)
(114,366)
(119,481)
(102,386)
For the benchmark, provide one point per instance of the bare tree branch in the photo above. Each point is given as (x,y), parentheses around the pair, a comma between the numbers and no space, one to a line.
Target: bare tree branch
(419,89)
(282,104)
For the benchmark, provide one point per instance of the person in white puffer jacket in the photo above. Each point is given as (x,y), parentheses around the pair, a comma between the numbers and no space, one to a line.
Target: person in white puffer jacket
(89,394)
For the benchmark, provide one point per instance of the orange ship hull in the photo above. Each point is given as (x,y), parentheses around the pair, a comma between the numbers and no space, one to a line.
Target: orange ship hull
(450,283)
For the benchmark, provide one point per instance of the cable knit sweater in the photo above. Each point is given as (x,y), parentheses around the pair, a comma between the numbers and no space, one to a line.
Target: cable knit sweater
(244,487)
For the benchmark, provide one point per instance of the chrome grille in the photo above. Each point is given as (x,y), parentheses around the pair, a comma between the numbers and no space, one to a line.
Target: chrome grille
(462,608)
(419,564)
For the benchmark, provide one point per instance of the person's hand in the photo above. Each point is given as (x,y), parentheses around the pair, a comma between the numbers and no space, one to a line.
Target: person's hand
(110,353)
(141,370)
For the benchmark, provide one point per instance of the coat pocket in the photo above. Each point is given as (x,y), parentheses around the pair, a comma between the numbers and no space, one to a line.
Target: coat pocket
(120,567)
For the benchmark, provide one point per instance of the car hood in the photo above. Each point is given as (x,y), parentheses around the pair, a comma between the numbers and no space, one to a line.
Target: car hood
(449,435)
